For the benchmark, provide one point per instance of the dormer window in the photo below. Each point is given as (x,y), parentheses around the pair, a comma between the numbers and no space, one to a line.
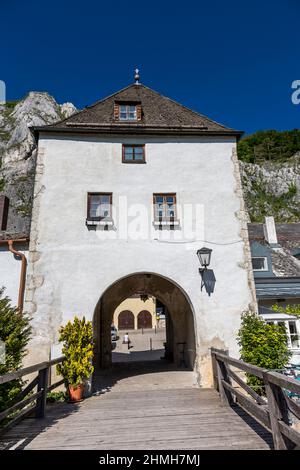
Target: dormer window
(259,263)
(128,111)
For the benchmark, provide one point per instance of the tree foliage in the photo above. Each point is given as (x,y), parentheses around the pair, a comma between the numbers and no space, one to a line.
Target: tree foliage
(78,351)
(263,345)
(261,203)
(15,333)
(292,309)
(269,145)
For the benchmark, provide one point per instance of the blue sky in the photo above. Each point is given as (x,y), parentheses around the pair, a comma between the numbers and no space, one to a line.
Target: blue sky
(233,61)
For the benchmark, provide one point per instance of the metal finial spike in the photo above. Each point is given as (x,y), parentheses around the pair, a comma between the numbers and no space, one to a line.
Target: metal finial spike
(137,77)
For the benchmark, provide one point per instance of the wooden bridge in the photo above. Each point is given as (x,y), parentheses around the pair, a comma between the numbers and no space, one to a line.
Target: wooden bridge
(156,406)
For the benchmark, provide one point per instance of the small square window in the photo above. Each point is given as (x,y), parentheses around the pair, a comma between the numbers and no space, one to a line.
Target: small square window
(99,206)
(127,112)
(259,263)
(133,154)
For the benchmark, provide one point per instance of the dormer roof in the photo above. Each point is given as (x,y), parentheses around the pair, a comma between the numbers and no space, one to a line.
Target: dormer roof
(159,114)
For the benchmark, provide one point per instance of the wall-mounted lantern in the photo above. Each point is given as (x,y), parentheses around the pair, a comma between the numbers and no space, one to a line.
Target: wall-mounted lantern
(144,297)
(204,255)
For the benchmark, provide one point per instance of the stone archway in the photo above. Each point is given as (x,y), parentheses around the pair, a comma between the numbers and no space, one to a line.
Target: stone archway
(181,331)
(144,319)
(126,320)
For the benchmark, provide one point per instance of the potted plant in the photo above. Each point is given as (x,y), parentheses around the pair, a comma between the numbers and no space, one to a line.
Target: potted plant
(77,337)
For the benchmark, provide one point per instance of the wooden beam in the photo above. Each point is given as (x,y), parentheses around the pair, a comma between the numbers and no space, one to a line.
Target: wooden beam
(257,411)
(246,387)
(278,411)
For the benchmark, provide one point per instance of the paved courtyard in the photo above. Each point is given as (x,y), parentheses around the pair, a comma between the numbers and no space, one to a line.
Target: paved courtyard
(146,345)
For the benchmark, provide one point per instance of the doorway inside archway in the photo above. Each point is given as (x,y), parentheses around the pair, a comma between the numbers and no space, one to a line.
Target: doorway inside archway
(170,299)
(139,330)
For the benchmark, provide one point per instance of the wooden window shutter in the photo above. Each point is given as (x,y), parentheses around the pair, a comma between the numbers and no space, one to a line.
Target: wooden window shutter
(138,112)
(116,111)
(4,203)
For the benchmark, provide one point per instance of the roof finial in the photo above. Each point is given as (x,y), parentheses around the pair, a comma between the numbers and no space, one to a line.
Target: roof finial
(137,76)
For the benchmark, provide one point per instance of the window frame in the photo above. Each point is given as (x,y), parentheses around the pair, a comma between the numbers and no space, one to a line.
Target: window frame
(128,105)
(289,335)
(266,266)
(99,218)
(124,146)
(165,219)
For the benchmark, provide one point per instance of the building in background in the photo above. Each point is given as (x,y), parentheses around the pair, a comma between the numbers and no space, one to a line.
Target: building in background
(276,268)
(136,314)
(133,149)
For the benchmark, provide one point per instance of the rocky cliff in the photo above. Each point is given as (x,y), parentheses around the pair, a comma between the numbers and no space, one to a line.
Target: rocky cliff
(18,151)
(270,188)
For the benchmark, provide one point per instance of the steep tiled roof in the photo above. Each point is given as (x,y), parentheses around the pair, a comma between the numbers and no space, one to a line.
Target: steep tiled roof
(158,113)
(284,264)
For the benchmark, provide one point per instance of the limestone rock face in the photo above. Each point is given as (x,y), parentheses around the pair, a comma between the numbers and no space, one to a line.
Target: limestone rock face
(18,151)
(272,189)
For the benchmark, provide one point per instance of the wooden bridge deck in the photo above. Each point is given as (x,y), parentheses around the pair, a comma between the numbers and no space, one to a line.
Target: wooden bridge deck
(149,410)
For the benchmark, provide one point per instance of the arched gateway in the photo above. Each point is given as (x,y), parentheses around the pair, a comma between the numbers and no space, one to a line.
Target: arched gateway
(180,318)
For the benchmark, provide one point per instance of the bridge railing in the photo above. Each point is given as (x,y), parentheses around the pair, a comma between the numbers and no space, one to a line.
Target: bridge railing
(271,410)
(32,399)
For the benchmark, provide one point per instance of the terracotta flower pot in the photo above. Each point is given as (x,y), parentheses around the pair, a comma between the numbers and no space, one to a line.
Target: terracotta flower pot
(76,393)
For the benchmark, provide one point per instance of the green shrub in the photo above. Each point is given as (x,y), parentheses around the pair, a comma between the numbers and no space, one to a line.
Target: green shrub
(15,333)
(263,345)
(54,397)
(78,351)
(292,309)
(260,203)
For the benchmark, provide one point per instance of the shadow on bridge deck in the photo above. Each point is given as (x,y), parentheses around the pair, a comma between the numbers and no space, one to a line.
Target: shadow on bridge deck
(153,406)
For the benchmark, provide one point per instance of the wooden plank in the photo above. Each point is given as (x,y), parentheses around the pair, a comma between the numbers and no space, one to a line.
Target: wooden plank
(20,397)
(55,385)
(249,405)
(29,370)
(53,362)
(290,433)
(27,389)
(20,404)
(14,421)
(283,381)
(20,373)
(246,387)
(215,371)
(293,406)
(278,411)
(167,418)
(251,369)
(42,387)
(225,393)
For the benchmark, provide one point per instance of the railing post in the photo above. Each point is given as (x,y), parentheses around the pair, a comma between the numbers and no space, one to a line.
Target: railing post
(214,369)
(278,411)
(225,395)
(42,387)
